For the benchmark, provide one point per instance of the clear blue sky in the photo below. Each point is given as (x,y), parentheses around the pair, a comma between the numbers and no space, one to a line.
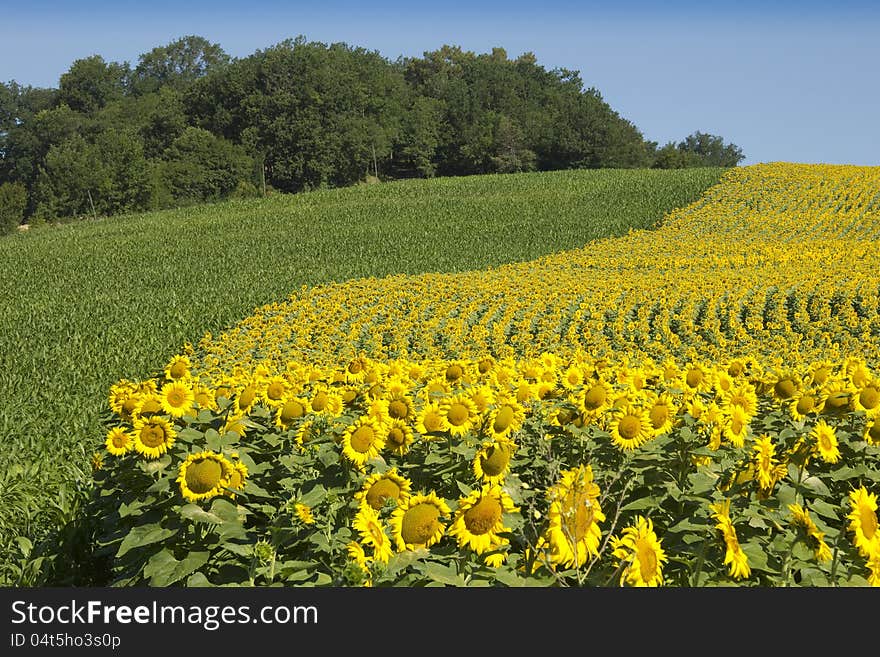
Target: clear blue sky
(784,80)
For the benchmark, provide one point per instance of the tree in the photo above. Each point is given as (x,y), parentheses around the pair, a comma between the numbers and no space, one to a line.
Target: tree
(699,149)
(91,83)
(13,201)
(177,64)
(199,167)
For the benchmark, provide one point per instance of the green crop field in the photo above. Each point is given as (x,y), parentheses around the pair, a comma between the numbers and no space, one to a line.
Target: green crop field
(86,304)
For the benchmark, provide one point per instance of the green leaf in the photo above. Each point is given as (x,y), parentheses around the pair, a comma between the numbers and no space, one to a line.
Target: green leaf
(442,574)
(642,503)
(464,488)
(198,580)
(816,485)
(213,440)
(824,509)
(197,514)
(143,535)
(701,482)
(756,555)
(163,569)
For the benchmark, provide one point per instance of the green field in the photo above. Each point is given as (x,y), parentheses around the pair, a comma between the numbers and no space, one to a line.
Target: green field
(86,304)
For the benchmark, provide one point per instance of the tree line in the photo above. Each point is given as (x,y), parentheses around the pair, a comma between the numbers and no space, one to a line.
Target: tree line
(190,124)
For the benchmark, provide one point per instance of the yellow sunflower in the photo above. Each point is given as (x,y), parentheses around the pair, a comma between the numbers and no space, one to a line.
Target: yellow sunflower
(380,487)
(630,427)
(204,475)
(325,401)
(461,414)
(640,554)
(661,412)
(807,402)
(416,522)
(274,391)
(492,460)
(153,436)
(734,557)
(872,432)
(863,521)
(431,419)
(505,418)
(766,464)
(362,441)
(178,368)
(372,530)
(398,437)
(573,532)
(479,519)
(867,398)
(118,442)
(595,397)
(801,518)
(289,411)
(826,444)
(735,427)
(177,398)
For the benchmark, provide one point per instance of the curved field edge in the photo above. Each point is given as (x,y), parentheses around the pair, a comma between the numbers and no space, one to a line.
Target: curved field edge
(718,376)
(87,304)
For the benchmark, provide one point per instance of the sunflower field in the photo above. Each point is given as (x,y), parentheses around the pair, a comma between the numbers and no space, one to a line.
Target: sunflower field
(695,405)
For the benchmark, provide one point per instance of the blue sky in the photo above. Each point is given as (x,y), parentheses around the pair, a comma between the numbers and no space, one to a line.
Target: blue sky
(784,80)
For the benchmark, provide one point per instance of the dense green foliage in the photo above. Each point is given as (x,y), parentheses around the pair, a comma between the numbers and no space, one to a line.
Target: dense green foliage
(87,304)
(13,199)
(189,123)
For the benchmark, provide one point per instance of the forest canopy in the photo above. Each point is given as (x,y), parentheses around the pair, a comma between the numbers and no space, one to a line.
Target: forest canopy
(190,124)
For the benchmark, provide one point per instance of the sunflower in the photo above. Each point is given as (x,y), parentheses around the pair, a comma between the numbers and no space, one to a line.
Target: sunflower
(289,411)
(380,487)
(305,433)
(839,396)
(304,513)
(801,518)
(153,436)
(246,397)
(872,432)
(372,530)
(735,427)
(325,401)
(400,406)
(118,442)
(274,391)
(825,438)
(573,532)
(766,465)
(697,378)
(867,398)
(235,423)
(416,522)
(177,398)
(356,370)
(238,476)
(492,460)
(149,403)
(398,437)
(505,418)
(572,378)
(479,519)
(595,397)
(804,403)
(661,412)
(120,392)
(362,441)
(178,368)
(734,557)
(461,414)
(631,427)
(204,475)
(205,397)
(431,419)
(742,396)
(640,554)
(820,371)
(863,521)
(783,384)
